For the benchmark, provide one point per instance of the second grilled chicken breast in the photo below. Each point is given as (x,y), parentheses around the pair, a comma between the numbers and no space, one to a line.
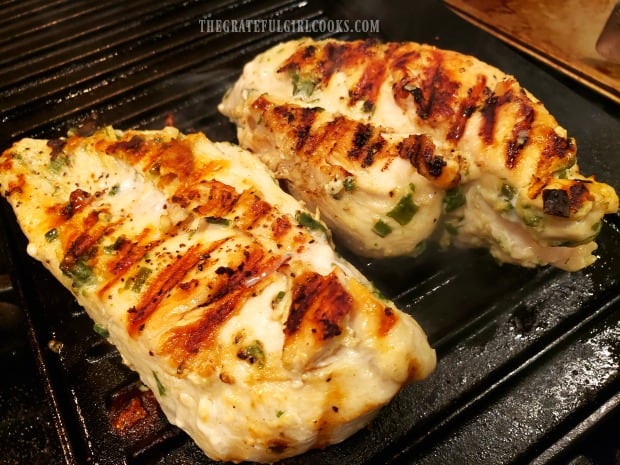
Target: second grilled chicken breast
(396,143)
(218,288)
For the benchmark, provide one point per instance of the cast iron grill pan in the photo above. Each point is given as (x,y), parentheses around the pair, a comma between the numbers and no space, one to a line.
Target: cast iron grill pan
(528,359)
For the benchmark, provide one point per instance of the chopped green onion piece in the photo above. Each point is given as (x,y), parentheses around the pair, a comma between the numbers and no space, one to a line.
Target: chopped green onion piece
(302,85)
(454,199)
(530,219)
(113,248)
(217,220)
(381,228)
(307,220)
(81,273)
(278,297)
(254,353)
(58,162)
(160,387)
(115,189)
(349,183)
(404,210)
(508,192)
(101,330)
(140,278)
(279,413)
(51,235)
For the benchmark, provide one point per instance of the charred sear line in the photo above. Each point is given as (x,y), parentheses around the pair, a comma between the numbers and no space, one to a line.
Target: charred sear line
(302,129)
(361,136)
(83,246)
(557,148)
(178,158)
(419,149)
(207,197)
(489,111)
(579,194)
(186,342)
(321,63)
(252,268)
(284,112)
(319,303)
(367,87)
(126,253)
(133,146)
(561,202)
(433,95)
(467,108)
(78,199)
(556,202)
(520,135)
(160,286)
(232,287)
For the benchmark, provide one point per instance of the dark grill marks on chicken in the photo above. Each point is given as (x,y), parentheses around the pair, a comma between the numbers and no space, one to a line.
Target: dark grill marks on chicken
(125,254)
(320,304)
(308,116)
(232,286)
(467,108)
(350,140)
(319,65)
(520,134)
(432,91)
(161,285)
(83,239)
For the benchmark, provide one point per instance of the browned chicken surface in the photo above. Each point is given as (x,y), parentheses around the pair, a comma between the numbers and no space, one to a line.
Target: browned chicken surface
(217,287)
(399,143)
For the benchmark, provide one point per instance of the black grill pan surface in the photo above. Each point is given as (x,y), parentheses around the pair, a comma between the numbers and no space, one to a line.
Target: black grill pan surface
(528,368)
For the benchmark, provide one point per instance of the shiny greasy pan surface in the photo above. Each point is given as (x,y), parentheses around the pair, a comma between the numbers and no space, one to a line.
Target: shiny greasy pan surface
(528,359)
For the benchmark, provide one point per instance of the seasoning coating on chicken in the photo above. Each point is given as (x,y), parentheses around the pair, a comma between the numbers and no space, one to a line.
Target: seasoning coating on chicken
(218,288)
(398,142)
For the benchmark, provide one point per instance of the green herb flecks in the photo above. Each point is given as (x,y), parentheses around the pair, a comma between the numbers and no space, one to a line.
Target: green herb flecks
(381,228)
(217,220)
(58,163)
(51,235)
(137,281)
(254,354)
(101,330)
(454,199)
(115,189)
(508,192)
(307,220)
(404,210)
(303,86)
(349,183)
(530,218)
(111,249)
(160,387)
(80,272)
(277,299)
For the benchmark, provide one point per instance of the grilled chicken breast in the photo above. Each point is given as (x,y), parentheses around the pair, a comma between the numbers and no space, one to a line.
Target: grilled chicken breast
(218,288)
(397,143)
